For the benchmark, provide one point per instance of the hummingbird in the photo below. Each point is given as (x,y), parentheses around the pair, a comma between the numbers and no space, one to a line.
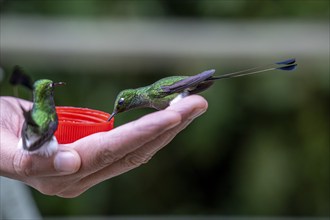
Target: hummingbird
(40,122)
(170,90)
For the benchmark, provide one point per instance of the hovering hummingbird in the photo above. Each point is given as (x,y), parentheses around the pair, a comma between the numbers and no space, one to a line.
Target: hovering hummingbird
(37,135)
(171,89)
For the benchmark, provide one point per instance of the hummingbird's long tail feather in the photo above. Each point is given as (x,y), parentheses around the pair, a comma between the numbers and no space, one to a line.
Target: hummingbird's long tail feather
(286,65)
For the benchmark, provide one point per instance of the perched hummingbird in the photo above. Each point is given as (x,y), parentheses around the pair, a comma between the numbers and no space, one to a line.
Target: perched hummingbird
(37,135)
(171,89)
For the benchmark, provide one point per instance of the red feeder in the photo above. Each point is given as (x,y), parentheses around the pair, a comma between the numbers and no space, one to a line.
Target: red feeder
(75,123)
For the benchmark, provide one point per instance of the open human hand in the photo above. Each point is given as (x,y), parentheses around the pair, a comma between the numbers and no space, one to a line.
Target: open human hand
(78,166)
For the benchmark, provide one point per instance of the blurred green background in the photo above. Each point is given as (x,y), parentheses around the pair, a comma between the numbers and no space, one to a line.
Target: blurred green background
(261,149)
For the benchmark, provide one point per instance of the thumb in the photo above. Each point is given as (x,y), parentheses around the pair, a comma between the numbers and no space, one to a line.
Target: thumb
(64,161)
(67,161)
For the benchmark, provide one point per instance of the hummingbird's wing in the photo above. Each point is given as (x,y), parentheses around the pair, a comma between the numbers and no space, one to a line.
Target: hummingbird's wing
(194,84)
(28,117)
(29,123)
(42,139)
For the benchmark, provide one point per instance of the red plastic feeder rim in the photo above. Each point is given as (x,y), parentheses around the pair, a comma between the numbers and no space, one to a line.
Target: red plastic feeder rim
(76,123)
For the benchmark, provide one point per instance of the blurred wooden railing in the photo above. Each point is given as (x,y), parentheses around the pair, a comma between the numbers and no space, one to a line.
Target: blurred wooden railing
(128,44)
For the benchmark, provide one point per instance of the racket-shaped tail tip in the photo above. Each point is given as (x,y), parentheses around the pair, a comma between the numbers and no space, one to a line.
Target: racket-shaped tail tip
(287,62)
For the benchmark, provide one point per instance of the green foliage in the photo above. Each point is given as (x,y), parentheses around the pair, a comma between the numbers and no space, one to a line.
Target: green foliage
(163,8)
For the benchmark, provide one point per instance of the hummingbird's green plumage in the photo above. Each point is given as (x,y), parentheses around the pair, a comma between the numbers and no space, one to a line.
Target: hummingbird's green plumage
(43,110)
(168,90)
(151,96)
(40,124)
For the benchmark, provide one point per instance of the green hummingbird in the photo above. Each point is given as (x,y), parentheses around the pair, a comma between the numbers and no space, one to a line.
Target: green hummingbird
(169,90)
(40,124)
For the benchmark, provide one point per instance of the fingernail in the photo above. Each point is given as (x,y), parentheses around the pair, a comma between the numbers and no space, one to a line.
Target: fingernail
(65,162)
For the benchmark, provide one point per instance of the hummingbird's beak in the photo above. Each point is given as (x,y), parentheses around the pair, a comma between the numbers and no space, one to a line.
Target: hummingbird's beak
(58,84)
(112,115)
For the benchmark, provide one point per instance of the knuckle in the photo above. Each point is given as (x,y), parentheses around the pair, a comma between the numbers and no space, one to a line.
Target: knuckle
(104,158)
(136,158)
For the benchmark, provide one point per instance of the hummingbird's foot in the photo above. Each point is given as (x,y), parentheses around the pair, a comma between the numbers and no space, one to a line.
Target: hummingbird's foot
(46,150)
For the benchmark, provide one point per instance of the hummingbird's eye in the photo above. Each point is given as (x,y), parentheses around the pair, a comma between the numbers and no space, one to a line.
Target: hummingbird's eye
(121,101)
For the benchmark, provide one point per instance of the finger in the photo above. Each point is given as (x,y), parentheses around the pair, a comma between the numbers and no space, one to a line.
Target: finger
(65,161)
(102,149)
(144,154)
(190,106)
(198,106)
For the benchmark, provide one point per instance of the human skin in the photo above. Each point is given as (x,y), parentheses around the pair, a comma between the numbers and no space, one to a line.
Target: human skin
(78,166)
